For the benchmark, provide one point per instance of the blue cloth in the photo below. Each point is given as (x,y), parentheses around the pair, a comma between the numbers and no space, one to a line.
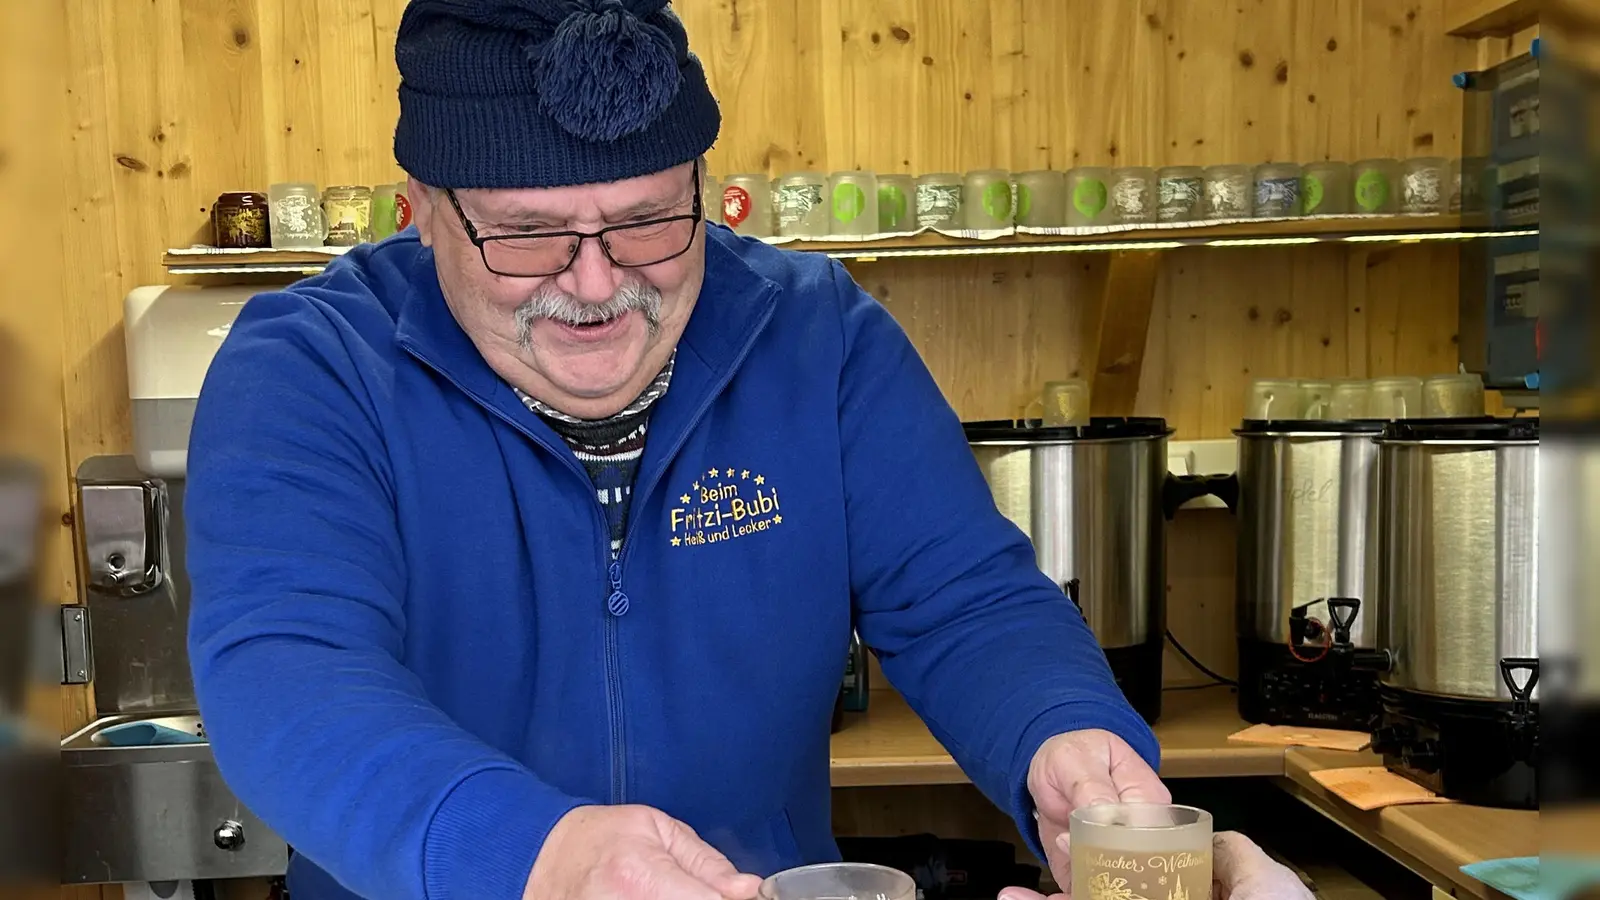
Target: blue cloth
(146,734)
(541,93)
(1530,878)
(406,639)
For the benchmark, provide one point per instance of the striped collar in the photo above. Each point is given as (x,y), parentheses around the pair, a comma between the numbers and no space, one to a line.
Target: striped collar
(651,394)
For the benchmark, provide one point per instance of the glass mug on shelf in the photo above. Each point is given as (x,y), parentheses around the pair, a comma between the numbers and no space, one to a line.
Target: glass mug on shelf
(1141,851)
(1066,403)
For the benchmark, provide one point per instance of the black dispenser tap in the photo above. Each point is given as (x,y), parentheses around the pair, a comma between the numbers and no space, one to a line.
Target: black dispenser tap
(1523,719)
(1342,611)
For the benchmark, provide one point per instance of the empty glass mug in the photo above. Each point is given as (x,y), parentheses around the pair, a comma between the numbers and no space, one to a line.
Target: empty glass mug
(1452,396)
(1398,397)
(839,881)
(1274,399)
(1348,399)
(1066,403)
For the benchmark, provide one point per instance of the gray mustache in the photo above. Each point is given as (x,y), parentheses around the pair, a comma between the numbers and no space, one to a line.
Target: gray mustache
(554,304)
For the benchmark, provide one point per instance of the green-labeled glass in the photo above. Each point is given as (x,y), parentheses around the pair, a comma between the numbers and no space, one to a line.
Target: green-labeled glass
(385,217)
(1088,196)
(852,204)
(897,203)
(1041,199)
(986,197)
(1374,186)
(1325,188)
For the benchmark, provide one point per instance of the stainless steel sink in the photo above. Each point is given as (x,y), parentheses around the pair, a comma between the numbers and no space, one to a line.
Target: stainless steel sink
(157,812)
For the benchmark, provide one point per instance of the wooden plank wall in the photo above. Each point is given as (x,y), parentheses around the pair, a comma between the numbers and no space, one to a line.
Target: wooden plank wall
(169,102)
(175,101)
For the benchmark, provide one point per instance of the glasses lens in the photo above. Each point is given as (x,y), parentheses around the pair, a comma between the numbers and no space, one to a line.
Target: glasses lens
(529,256)
(649,242)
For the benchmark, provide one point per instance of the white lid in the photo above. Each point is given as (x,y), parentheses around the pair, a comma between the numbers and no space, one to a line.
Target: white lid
(172,334)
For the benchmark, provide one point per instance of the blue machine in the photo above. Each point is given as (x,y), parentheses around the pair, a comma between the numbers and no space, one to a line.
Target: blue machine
(1500,276)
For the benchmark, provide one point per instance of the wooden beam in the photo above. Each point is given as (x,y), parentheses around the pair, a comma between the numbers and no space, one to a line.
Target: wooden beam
(1125,303)
(1490,18)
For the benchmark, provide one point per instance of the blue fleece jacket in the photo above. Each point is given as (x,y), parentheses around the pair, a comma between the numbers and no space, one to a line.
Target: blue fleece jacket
(413,657)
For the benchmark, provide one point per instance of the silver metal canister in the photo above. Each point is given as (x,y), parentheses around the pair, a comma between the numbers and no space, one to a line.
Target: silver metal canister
(1094,501)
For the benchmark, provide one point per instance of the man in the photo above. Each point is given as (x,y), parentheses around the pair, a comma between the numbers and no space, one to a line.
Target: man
(526,547)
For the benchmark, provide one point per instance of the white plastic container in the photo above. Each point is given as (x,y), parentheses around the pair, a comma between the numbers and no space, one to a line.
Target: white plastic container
(171,335)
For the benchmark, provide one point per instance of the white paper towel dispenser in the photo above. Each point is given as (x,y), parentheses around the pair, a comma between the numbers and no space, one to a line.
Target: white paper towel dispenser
(172,334)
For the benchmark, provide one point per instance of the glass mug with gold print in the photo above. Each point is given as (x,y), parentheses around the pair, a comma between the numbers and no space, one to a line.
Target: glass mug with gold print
(1141,851)
(1066,403)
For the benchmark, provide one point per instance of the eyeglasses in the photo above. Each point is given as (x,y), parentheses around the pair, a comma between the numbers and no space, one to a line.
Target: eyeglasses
(629,246)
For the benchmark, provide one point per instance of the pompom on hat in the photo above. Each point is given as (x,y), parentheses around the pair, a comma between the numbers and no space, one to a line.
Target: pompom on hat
(545,93)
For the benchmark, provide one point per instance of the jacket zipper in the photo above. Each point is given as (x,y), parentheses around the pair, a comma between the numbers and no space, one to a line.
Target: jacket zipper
(616,607)
(617,602)
(619,770)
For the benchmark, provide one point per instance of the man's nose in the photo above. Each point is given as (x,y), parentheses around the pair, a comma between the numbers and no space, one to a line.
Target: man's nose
(592,277)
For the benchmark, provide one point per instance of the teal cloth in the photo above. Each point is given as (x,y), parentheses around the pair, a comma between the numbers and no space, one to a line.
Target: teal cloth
(145,734)
(1529,878)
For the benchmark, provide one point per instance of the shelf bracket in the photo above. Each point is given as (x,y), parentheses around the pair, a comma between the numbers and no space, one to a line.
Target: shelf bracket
(1126,300)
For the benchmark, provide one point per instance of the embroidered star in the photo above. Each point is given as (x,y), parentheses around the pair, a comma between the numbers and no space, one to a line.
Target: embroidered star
(729,473)
(744,473)
(676,542)
(695,486)
(777,520)
(712,473)
(684,499)
(761,479)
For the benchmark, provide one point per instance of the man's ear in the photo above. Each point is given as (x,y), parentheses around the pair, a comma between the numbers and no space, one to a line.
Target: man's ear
(422,199)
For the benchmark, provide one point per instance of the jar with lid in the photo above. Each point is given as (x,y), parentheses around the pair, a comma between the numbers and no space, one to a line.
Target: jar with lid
(296,216)
(239,220)
(348,210)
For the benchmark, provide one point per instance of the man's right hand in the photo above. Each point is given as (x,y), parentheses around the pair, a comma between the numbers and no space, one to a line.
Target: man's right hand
(631,853)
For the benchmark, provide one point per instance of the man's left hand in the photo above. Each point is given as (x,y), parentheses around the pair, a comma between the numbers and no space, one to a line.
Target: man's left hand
(1085,768)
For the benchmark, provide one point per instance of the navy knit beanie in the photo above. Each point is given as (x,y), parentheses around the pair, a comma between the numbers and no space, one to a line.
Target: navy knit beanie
(544,93)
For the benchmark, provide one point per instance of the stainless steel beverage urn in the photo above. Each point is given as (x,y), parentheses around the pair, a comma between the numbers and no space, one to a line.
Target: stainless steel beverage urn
(1093,499)
(1459,570)
(1307,599)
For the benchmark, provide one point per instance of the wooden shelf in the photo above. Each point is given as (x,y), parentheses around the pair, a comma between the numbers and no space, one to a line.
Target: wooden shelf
(889,745)
(1433,840)
(1491,18)
(197,261)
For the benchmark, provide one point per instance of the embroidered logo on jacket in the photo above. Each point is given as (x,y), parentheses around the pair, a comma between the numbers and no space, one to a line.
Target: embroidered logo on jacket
(721,505)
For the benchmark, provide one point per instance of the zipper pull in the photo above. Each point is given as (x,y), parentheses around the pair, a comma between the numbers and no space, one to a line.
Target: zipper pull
(617,603)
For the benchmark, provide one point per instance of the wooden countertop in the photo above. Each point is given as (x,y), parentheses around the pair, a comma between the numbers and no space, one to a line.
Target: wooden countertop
(889,745)
(1433,840)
